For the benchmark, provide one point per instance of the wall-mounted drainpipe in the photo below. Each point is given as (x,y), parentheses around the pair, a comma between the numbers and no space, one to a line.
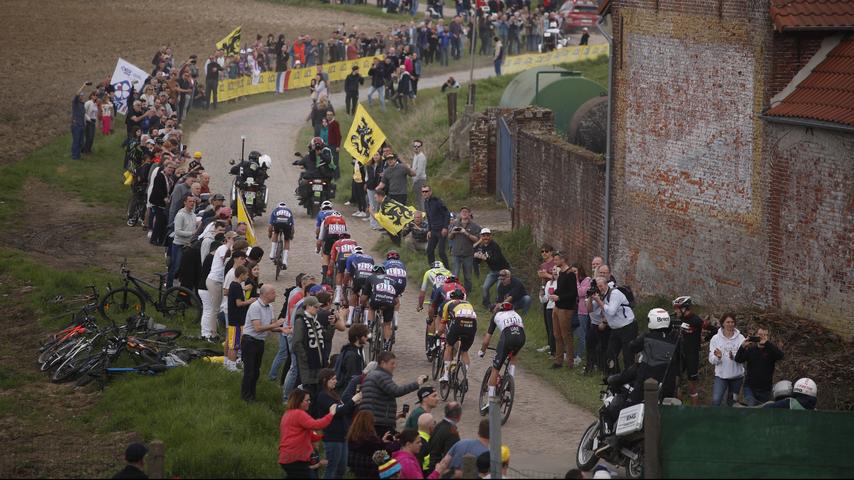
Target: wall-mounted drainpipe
(608,155)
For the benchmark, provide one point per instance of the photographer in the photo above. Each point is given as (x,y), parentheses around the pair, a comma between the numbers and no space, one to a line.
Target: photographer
(760,357)
(598,335)
(463,235)
(620,317)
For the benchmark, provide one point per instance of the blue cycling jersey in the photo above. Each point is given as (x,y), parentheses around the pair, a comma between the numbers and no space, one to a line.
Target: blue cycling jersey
(360,265)
(282,216)
(321,216)
(396,269)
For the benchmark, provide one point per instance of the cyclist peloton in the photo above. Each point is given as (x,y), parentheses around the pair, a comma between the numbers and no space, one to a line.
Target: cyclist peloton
(511,341)
(333,226)
(359,269)
(281,223)
(380,292)
(341,251)
(433,277)
(461,321)
(396,270)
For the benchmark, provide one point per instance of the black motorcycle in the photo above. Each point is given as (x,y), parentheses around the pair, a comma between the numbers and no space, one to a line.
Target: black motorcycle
(313,189)
(250,177)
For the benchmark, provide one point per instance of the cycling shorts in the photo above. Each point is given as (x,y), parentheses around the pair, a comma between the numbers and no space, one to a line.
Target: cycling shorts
(464,335)
(232,338)
(284,229)
(341,265)
(328,242)
(358,285)
(511,342)
(386,308)
(691,364)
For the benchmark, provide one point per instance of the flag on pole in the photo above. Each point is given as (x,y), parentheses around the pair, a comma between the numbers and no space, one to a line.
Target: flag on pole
(231,42)
(365,137)
(243,216)
(123,77)
(393,215)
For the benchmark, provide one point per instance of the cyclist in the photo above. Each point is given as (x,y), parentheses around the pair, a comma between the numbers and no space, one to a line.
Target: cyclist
(396,269)
(511,341)
(359,269)
(436,275)
(442,294)
(281,223)
(330,232)
(461,320)
(380,292)
(325,211)
(341,251)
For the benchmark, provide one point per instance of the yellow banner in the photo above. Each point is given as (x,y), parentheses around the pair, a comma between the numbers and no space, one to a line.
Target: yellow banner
(393,215)
(365,137)
(231,42)
(562,55)
(243,216)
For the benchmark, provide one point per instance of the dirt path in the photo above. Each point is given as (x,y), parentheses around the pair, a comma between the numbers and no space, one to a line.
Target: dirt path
(543,429)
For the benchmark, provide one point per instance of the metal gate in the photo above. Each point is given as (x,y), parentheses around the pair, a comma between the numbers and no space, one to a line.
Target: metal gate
(506,162)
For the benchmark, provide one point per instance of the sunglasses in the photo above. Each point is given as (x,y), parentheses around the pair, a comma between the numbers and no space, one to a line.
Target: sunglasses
(425,191)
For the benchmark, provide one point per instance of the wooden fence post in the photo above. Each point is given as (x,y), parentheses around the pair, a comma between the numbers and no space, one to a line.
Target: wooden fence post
(651,430)
(155,461)
(452,108)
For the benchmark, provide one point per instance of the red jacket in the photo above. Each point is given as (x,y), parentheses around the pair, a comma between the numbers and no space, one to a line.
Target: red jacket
(295,435)
(335,134)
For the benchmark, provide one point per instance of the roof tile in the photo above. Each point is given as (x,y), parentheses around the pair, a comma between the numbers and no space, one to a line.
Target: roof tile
(812,14)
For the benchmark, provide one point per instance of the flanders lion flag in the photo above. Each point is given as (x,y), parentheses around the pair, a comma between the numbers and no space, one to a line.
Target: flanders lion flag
(365,136)
(231,42)
(243,216)
(393,215)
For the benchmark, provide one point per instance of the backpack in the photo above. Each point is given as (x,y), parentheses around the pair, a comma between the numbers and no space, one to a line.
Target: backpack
(630,296)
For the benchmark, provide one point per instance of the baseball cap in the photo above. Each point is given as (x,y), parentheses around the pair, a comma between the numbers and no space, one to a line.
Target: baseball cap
(135,452)
(219,196)
(311,301)
(425,392)
(315,289)
(485,231)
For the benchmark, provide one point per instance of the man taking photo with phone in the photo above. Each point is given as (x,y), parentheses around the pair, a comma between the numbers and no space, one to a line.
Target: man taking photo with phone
(760,357)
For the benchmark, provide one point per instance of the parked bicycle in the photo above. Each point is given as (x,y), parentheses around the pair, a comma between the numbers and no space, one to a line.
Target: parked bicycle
(174,304)
(504,391)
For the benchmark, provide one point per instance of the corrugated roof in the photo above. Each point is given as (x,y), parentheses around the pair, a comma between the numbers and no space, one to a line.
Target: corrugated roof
(827,94)
(812,14)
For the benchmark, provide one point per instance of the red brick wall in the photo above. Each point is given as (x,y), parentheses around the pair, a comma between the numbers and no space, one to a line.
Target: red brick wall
(792,52)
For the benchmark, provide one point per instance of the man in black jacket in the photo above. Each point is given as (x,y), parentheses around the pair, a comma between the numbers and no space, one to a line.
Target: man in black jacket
(761,356)
(446,433)
(511,289)
(159,198)
(378,76)
(487,250)
(351,90)
(352,356)
(438,218)
(135,458)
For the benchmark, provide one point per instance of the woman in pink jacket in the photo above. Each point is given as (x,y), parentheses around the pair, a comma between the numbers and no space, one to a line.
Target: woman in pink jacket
(581,313)
(410,467)
(295,435)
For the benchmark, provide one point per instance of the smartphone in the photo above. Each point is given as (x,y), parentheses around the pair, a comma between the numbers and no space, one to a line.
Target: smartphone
(358,388)
(754,338)
(88,83)
(405,409)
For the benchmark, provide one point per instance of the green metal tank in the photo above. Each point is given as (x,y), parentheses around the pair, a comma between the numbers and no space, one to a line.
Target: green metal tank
(564,97)
(520,92)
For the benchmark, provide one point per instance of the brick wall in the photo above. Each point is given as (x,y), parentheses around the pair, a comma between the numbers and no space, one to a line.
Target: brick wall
(791,53)
(559,192)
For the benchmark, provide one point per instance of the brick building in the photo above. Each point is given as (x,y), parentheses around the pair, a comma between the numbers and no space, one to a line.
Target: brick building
(733,152)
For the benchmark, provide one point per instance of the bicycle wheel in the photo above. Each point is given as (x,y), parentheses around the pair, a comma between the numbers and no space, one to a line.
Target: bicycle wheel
(506,392)
(376,338)
(446,387)
(162,336)
(95,367)
(182,305)
(50,350)
(438,362)
(483,399)
(278,268)
(60,354)
(72,365)
(461,383)
(428,344)
(120,303)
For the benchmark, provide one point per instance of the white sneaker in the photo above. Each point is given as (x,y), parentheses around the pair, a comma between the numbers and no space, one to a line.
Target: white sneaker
(356,214)
(347,203)
(543,349)
(444,377)
(578,361)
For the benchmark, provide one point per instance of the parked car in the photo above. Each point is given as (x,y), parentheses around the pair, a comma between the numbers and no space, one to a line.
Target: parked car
(578,14)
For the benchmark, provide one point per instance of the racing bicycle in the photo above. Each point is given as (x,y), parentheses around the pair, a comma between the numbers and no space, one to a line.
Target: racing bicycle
(504,390)
(457,378)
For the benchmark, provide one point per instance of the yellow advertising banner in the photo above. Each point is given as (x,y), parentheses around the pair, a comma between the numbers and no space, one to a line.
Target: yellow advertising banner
(393,215)
(365,136)
(562,55)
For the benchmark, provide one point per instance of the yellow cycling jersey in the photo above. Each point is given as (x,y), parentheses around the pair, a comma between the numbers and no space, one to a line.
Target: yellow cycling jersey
(433,278)
(459,311)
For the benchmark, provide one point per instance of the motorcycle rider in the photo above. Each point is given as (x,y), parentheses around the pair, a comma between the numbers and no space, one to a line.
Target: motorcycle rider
(803,397)
(281,223)
(253,167)
(317,163)
(692,330)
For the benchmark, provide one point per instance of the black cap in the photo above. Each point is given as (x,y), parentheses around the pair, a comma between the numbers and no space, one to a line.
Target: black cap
(425,392)
(135,452)
(483,462)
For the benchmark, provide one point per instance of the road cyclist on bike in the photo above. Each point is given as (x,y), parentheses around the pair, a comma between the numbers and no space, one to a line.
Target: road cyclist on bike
(333,226)
(433,277)
(396,270)
(281,223)
(341,251)
(510,342)
(359,268)
(380,292)
(460,319)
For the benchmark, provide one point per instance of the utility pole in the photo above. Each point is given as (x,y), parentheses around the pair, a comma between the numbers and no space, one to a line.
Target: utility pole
(474,32)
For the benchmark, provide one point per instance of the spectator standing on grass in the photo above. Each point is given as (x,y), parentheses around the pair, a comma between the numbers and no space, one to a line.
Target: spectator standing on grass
(419,164)
(380,393)
(618,315)
(463,234)
(598,336)
(185,226)
(91,108)
(546,292)
(135,458)
(295,435)
(335,435)
(760,359)
(351,90)
(159,200)
(378,77)
(581,320)
(511,289)
(487,250)
(213,70)
(729,374)
(313,331)
(692,329)
(285,352)
(78,123)
(497,55)
(438,220)
(395,176)
(259,323)
(106,115)
(566,301)
(446,434)
(428,399)
(334,143)
(373,173)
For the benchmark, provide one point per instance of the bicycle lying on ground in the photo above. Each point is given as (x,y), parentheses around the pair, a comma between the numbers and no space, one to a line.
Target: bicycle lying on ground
(505,389)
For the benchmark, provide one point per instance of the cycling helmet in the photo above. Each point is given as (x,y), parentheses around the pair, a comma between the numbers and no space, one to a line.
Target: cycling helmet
(254,155)
(344,235)
(283,204)
(392,255)
(451,279)
(317,142)
(683,302)
(327,205)
(357,249)
(806,386)
(506,306)
(438,264)
(266,161)
(457,294)
(781,390)
(658,319)
(378,269)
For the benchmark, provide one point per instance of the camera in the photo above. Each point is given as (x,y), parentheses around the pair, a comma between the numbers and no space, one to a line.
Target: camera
(593,290)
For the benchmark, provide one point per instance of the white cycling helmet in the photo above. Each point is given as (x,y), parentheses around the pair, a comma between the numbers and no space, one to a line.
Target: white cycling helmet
(265,161)
(438,264)
(658,319)
(806,386)
(781,390)
(283,204)
(326,205)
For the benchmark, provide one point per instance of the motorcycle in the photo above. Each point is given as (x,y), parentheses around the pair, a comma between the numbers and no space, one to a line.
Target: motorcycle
(314,191)
(250,178)
(617,442)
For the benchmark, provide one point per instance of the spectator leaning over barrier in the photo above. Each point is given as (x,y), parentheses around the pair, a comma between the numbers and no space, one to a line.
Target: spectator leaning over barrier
(511,289)
(380,393)
(760,356)
(566,301)
(620,318)
(438,219)
(487,250)
(729,374)
(463,234)
(185,226)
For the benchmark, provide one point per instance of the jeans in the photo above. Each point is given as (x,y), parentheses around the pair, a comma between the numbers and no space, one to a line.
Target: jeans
(490,280)
(298,470)
(336,454)
(372,203)
(76,141)
(522,305)
(381,90)
(456,43)
(619,342)
(724,385)
(252,351)
(437,239)
(292,376)
(443,55)
(597,346)
(281,356)
(413,10)
(175,254)
(467,264)
(497,64)
(755,397)
(581,333)
(547,320)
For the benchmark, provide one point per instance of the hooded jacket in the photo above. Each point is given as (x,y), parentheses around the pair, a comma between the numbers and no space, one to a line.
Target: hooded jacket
(726,367)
